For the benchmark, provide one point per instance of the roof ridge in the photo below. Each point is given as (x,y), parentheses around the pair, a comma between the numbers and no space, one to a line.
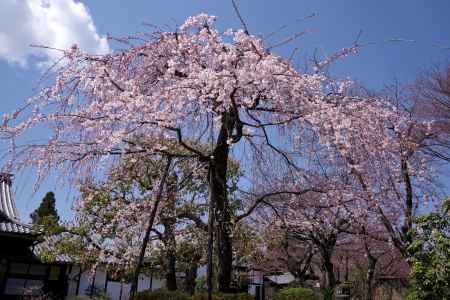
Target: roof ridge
(7,206)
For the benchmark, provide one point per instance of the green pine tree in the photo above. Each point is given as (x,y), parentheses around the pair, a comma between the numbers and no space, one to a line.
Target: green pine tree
(46,215)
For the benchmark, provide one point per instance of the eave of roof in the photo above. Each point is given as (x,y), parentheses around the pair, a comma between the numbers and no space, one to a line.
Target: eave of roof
(43,246)
(10,224)
(7,205)
(15,227)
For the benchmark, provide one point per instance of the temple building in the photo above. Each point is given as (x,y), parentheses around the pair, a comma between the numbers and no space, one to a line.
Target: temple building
(21,271)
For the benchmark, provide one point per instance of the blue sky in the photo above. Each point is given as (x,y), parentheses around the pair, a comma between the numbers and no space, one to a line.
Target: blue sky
(60,23)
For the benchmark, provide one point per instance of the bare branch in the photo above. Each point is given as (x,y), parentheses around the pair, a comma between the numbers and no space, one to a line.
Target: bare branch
(236,9)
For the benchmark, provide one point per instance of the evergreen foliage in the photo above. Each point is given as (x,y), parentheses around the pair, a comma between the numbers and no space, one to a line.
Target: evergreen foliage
(163,294)
(297,293)
(430,256)
(46,215)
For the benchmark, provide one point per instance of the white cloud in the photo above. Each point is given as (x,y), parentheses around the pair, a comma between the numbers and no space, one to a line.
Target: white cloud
(53,23)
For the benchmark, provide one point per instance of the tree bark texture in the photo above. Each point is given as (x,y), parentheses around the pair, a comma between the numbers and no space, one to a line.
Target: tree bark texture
(219,196)
(168,220)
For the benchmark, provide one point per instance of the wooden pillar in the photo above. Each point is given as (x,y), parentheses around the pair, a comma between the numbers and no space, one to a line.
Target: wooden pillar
(47,276)
(93,282)
(27,273)
(5,279)
(78,282)
(151,281)
(106,280)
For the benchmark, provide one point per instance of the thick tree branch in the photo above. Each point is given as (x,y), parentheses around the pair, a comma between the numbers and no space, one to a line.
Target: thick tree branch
(262,199)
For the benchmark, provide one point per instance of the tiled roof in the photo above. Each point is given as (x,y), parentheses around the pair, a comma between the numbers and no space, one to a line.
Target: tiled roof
(15,227)
(7,205)
(45,246)
(10,223)
(285,278)
(9,218)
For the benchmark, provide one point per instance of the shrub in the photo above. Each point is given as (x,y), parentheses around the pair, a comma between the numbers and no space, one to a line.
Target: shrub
(328,293)
(162,295)
(176,295)
(40,297)
(220,296)
(96,294)
(298,293)
(200,284)
(412,295)
(99,295)
(89,298)
(430,256)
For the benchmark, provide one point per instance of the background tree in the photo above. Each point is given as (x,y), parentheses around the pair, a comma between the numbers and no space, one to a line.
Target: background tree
(424,144)
(430,94)
(128,192)
(121,202)
(284,253)
(191,254)
(46,215)
(430,256)
(319,227)
(367,257)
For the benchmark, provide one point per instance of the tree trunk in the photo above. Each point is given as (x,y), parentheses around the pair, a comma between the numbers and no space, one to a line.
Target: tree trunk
(191,276)
(170,258)
(134,283)
(219,199)
(409,218)
(370,275)
(171,275)
(219,196)
(210,250)
(327,249)
(168,220)
(329,272)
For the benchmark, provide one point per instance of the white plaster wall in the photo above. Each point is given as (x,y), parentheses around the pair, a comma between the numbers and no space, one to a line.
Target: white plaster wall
(201,271)
(73,279)
(85,281)
(144,283)
(252,289)
(158,283)
(100,279)
(113,290)
(118,291)
(113,287)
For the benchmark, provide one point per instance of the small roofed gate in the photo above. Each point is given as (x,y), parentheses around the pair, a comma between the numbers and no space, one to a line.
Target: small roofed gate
(256,284)
(21,271)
